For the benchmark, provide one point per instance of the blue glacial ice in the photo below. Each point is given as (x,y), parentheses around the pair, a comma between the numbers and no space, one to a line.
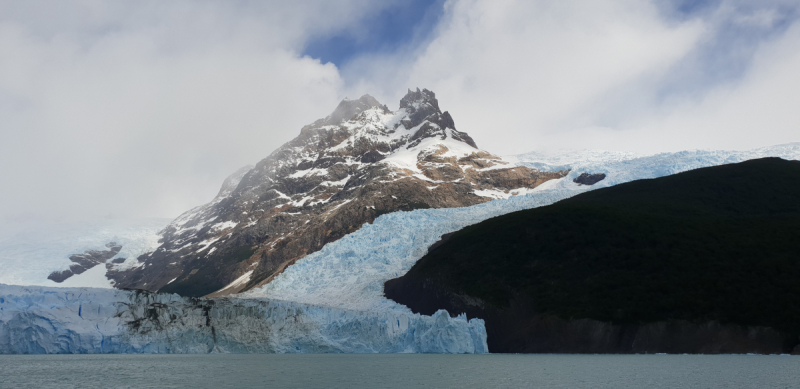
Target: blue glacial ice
(38,320)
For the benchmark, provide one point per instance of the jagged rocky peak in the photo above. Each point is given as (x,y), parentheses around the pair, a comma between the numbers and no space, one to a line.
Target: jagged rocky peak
(423,99)
(419,105)
(422,106)
(342,171)
(349,108)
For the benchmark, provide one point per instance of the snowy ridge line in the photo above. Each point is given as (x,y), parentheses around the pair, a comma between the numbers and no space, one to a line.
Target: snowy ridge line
(38,320)
(350,272)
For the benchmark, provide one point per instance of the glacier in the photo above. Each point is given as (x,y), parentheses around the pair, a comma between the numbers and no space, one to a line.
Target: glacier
(38,320)
(329,301)
(350,272)
(32,249)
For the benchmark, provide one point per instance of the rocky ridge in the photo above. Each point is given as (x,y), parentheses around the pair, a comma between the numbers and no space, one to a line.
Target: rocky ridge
(342,171)
(88,260)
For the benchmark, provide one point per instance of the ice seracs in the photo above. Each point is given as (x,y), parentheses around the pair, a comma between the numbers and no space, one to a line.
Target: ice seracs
(42,320)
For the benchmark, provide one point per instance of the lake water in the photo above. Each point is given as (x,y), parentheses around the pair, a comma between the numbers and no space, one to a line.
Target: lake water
(399,371)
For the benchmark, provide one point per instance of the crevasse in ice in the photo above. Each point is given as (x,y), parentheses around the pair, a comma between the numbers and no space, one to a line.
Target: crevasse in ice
(37,320)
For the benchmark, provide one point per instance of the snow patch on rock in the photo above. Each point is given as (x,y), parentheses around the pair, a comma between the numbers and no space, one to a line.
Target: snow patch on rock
(31,250)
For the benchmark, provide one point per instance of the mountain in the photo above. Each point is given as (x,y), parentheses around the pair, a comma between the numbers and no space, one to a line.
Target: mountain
(703,261)
(341,172)
(333,299)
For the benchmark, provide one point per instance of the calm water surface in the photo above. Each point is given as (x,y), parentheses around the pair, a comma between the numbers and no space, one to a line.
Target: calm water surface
(399,371)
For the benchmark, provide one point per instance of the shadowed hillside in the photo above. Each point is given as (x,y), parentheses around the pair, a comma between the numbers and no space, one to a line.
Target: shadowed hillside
(702,261)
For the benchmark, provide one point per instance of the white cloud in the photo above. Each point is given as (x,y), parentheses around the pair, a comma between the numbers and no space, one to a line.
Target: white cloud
(535,74)
(142,109)
(513,72)
(761,109)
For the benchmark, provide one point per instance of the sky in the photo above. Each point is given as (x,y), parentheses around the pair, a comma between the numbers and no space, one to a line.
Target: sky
(141,109)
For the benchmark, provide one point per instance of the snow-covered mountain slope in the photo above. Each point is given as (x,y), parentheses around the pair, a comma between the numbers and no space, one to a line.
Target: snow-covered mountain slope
(33,249)
(341,172)
(350,273)
(38,320)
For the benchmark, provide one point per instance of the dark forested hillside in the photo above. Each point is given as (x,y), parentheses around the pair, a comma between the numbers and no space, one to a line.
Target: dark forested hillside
(717,246)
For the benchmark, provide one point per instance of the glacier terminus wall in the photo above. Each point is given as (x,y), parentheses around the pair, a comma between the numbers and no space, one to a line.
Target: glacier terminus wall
(37,320)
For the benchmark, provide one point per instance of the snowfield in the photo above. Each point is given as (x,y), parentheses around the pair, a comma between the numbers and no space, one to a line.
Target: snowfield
(329,301)
(31,250)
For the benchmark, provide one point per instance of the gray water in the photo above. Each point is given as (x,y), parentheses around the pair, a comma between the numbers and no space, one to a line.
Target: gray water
(399,371)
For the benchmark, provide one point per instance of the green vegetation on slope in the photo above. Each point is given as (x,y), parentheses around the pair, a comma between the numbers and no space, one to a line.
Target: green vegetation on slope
(719,243)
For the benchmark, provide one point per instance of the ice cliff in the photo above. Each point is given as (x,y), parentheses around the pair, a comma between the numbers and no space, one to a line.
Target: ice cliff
(35,320)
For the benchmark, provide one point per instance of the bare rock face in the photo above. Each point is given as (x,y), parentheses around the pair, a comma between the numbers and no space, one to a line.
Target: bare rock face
(342,171)
(518,328)
(589,179)
(86,261)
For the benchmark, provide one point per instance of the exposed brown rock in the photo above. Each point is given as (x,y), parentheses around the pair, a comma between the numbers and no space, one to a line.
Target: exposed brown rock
(338,174)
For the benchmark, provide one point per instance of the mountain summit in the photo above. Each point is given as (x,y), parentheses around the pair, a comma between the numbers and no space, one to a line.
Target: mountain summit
(358,163)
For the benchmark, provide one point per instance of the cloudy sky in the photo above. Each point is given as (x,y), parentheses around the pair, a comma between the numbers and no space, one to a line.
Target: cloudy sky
(141,109)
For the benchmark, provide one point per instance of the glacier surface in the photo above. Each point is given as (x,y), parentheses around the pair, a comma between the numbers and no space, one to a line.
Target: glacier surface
(31,250)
